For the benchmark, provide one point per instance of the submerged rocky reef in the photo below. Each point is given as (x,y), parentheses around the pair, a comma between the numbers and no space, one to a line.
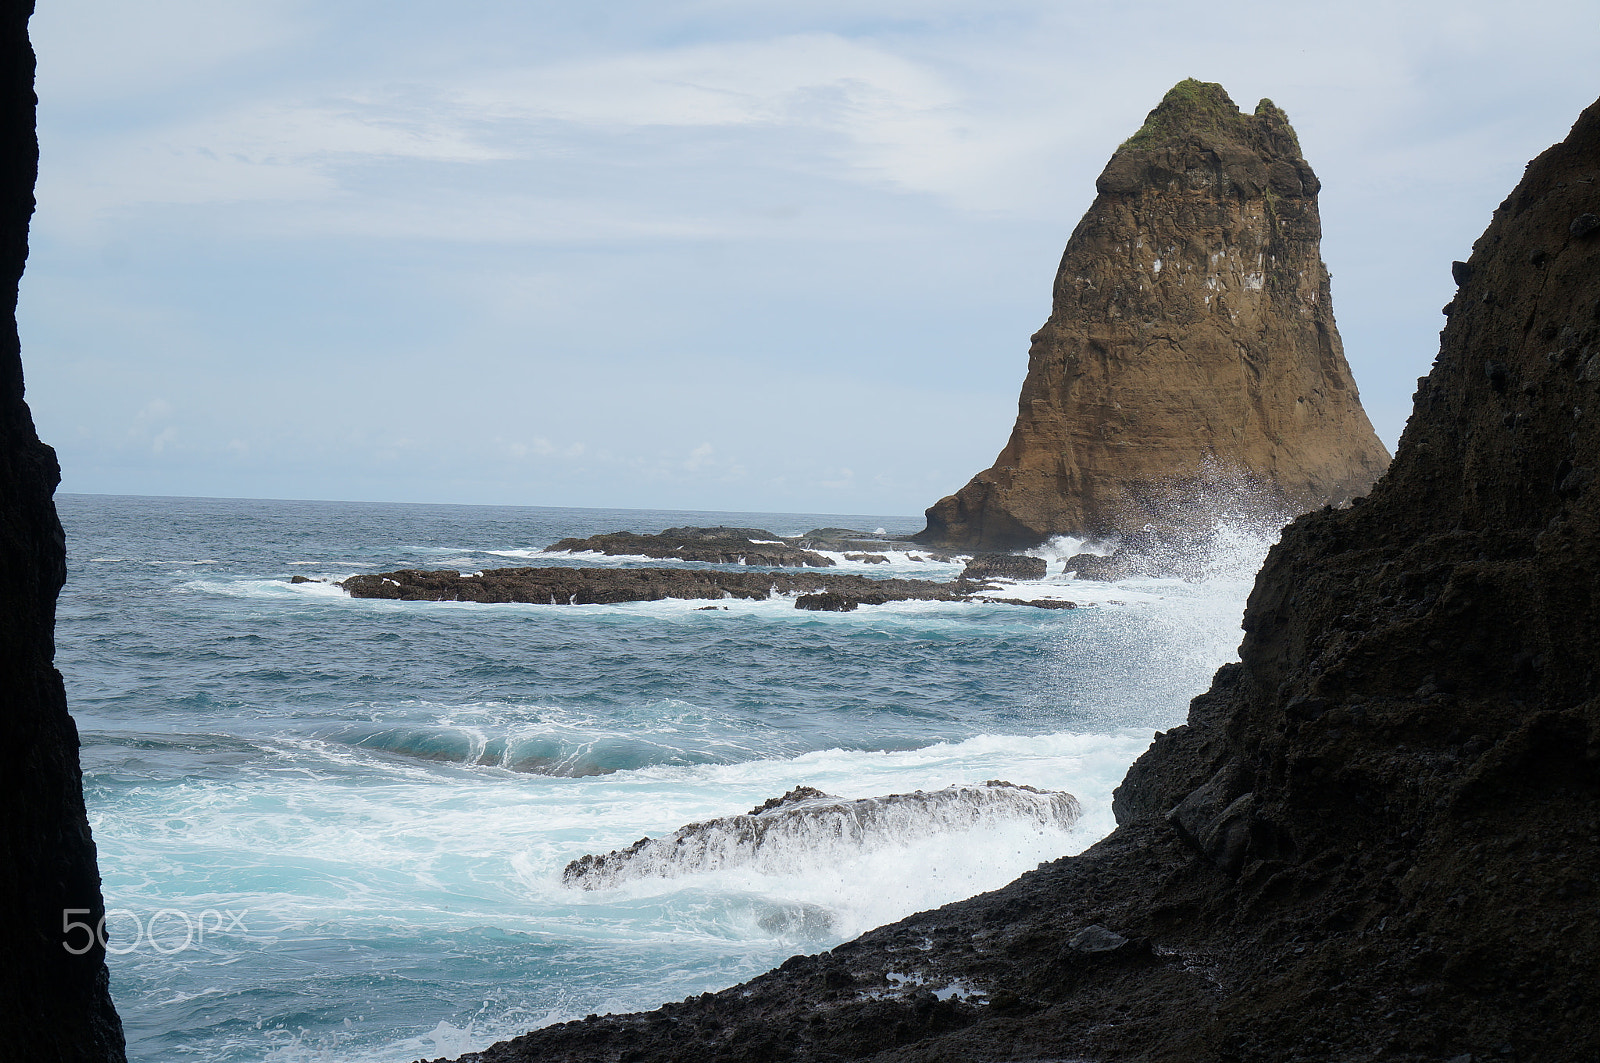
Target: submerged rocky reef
(1377,836)
(611,585)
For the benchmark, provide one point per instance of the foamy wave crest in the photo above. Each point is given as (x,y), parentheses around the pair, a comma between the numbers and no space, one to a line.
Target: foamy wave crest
(806,829)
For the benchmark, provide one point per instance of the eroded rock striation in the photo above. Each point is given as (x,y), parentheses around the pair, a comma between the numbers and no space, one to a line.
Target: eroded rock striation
(1191,358)
(1378,834)
(54,1001)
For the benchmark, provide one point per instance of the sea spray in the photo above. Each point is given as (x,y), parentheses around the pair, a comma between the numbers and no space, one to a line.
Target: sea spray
(389,791)
(808,828)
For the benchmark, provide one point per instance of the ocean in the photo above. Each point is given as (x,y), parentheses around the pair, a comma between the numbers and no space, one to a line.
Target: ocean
(334,829)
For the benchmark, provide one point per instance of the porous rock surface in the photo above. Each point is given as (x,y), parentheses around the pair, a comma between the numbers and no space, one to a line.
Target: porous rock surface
(1378,835)
(54,1005)
(1005,566)
(1191,357)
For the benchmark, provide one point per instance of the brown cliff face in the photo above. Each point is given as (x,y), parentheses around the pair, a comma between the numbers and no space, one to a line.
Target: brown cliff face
(1191,348)
(54,1005)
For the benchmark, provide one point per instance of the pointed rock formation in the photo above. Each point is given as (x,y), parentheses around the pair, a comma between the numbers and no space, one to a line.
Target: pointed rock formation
(1191,348)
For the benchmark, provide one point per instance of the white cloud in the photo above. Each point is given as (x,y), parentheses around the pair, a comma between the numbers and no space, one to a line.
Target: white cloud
(699,457)
(97,52)
(698,205)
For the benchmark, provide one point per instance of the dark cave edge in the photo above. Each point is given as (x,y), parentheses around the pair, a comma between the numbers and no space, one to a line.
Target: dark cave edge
(1378,834)
(54,1005)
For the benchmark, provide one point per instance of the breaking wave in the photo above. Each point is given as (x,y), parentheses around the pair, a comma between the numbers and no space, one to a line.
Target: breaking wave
(806,828)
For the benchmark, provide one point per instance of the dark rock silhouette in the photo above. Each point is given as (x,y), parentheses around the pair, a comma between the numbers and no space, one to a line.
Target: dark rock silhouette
(1005,566)
(826,602)
(553,585)
(54,1005)
(1378,835)
(1191,359)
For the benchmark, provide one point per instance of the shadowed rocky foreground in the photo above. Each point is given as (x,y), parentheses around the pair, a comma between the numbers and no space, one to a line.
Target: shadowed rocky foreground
(54,998)
(1378,835)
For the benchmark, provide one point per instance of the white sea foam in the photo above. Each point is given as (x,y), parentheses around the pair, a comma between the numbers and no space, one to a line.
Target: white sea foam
(822,832)
(368,834)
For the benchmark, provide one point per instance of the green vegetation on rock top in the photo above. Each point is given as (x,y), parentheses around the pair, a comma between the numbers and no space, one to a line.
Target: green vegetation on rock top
(1192,106)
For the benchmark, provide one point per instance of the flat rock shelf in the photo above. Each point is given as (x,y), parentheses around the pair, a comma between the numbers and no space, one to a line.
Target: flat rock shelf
(610,586)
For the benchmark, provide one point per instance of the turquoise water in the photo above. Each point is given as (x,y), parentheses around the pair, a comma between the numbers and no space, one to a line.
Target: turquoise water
(334,829)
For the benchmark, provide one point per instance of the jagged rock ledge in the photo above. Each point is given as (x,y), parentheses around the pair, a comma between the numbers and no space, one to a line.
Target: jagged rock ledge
(806,825)
(612,586)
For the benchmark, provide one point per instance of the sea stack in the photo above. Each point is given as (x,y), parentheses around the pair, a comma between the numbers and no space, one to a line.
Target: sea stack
(1191,355)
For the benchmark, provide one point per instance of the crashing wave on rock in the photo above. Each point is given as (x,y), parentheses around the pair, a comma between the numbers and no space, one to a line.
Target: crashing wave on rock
(806,827)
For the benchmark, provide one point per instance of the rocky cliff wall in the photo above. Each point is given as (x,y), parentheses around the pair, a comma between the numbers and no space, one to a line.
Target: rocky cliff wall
(1191,354)
(53,1005)
(1378,835)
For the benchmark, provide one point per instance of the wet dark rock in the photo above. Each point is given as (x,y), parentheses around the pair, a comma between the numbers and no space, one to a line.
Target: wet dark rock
(726,546)
(871,559)
(1005,566)
(1096,938)
(1573,479)
(826,602)
(793,797)
(1095,567)
(55,1003)
(552,585)
(786,829)
(303,579)
(1036,603)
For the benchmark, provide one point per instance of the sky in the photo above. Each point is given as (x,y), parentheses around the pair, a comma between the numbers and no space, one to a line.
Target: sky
(686,254)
